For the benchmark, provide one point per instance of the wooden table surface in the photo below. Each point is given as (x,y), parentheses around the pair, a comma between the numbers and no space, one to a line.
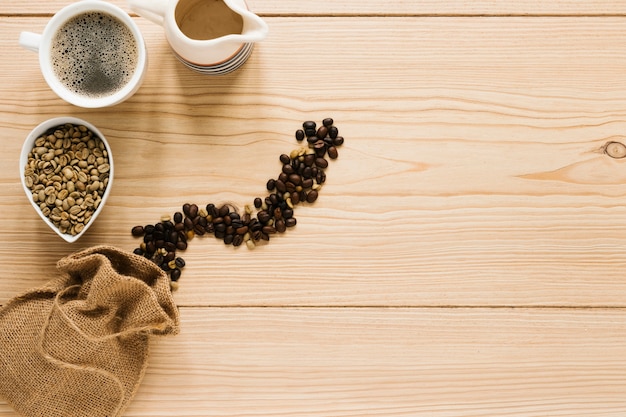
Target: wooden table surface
(466,256)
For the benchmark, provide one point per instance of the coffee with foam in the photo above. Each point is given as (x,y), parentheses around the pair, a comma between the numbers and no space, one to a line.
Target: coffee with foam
(94,54)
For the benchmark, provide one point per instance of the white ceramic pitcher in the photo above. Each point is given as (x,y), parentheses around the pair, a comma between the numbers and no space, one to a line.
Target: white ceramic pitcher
(209,36)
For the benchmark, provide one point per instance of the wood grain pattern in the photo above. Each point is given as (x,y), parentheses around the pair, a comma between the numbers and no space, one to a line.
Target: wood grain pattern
(399,7)
(465,257)
(472,174)
(393,362)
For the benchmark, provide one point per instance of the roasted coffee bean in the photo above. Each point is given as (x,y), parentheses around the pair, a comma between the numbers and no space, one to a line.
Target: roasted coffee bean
(309,124)
(175,274)
(137,231)
(321,163)
(193,210)
(242,230)
(186,208)
(280,226)
(283,177)
(322,132)
(285,159)
(258,202)
(338,141)
(228,239)
(290,187)
(255,224)
(280,186)
(311,196)
(212,210)
(332,152)
(180,262)
(224,210)
(237,240)
(299,135)
(295,179)
(288,169)
(150,228)
(178,217)
(309,160)
(312,138)
(170,256)
(202,221)
(333,132)
(269,230)
(263,216)
(328,122)
(290,222)
(295,198)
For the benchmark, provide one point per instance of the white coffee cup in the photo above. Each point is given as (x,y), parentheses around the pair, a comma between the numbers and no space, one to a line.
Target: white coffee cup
(93,81)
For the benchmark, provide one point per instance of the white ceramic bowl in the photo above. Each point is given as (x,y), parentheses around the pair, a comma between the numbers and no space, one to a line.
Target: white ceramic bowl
(28,146)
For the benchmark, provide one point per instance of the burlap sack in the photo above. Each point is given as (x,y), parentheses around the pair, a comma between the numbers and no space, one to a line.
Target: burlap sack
(78,345)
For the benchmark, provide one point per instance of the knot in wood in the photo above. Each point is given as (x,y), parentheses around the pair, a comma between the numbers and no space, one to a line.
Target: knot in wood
(615,150)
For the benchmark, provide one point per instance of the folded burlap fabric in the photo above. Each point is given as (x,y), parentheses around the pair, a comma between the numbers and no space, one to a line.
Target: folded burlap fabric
(78,345)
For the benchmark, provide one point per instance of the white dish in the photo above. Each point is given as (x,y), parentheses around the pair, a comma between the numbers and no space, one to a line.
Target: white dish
(28,146)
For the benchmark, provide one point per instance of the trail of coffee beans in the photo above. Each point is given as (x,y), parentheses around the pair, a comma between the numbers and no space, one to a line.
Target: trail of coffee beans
(301,177)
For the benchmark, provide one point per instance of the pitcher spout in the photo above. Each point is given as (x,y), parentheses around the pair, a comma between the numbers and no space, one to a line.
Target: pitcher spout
(254,28)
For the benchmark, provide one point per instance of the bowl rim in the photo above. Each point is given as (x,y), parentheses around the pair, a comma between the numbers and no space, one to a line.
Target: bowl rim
(28,145)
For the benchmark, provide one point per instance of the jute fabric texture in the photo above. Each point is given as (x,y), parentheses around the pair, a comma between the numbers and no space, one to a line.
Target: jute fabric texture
(78,345)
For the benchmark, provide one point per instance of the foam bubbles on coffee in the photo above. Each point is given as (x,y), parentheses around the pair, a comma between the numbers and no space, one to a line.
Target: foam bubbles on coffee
(94,54)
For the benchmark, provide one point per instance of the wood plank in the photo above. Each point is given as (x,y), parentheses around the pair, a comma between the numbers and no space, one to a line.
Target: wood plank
(400,7)
(393,362)
(472,173)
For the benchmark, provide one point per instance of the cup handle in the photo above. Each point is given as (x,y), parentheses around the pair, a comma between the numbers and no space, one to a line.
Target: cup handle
(30,41)
(153,10)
